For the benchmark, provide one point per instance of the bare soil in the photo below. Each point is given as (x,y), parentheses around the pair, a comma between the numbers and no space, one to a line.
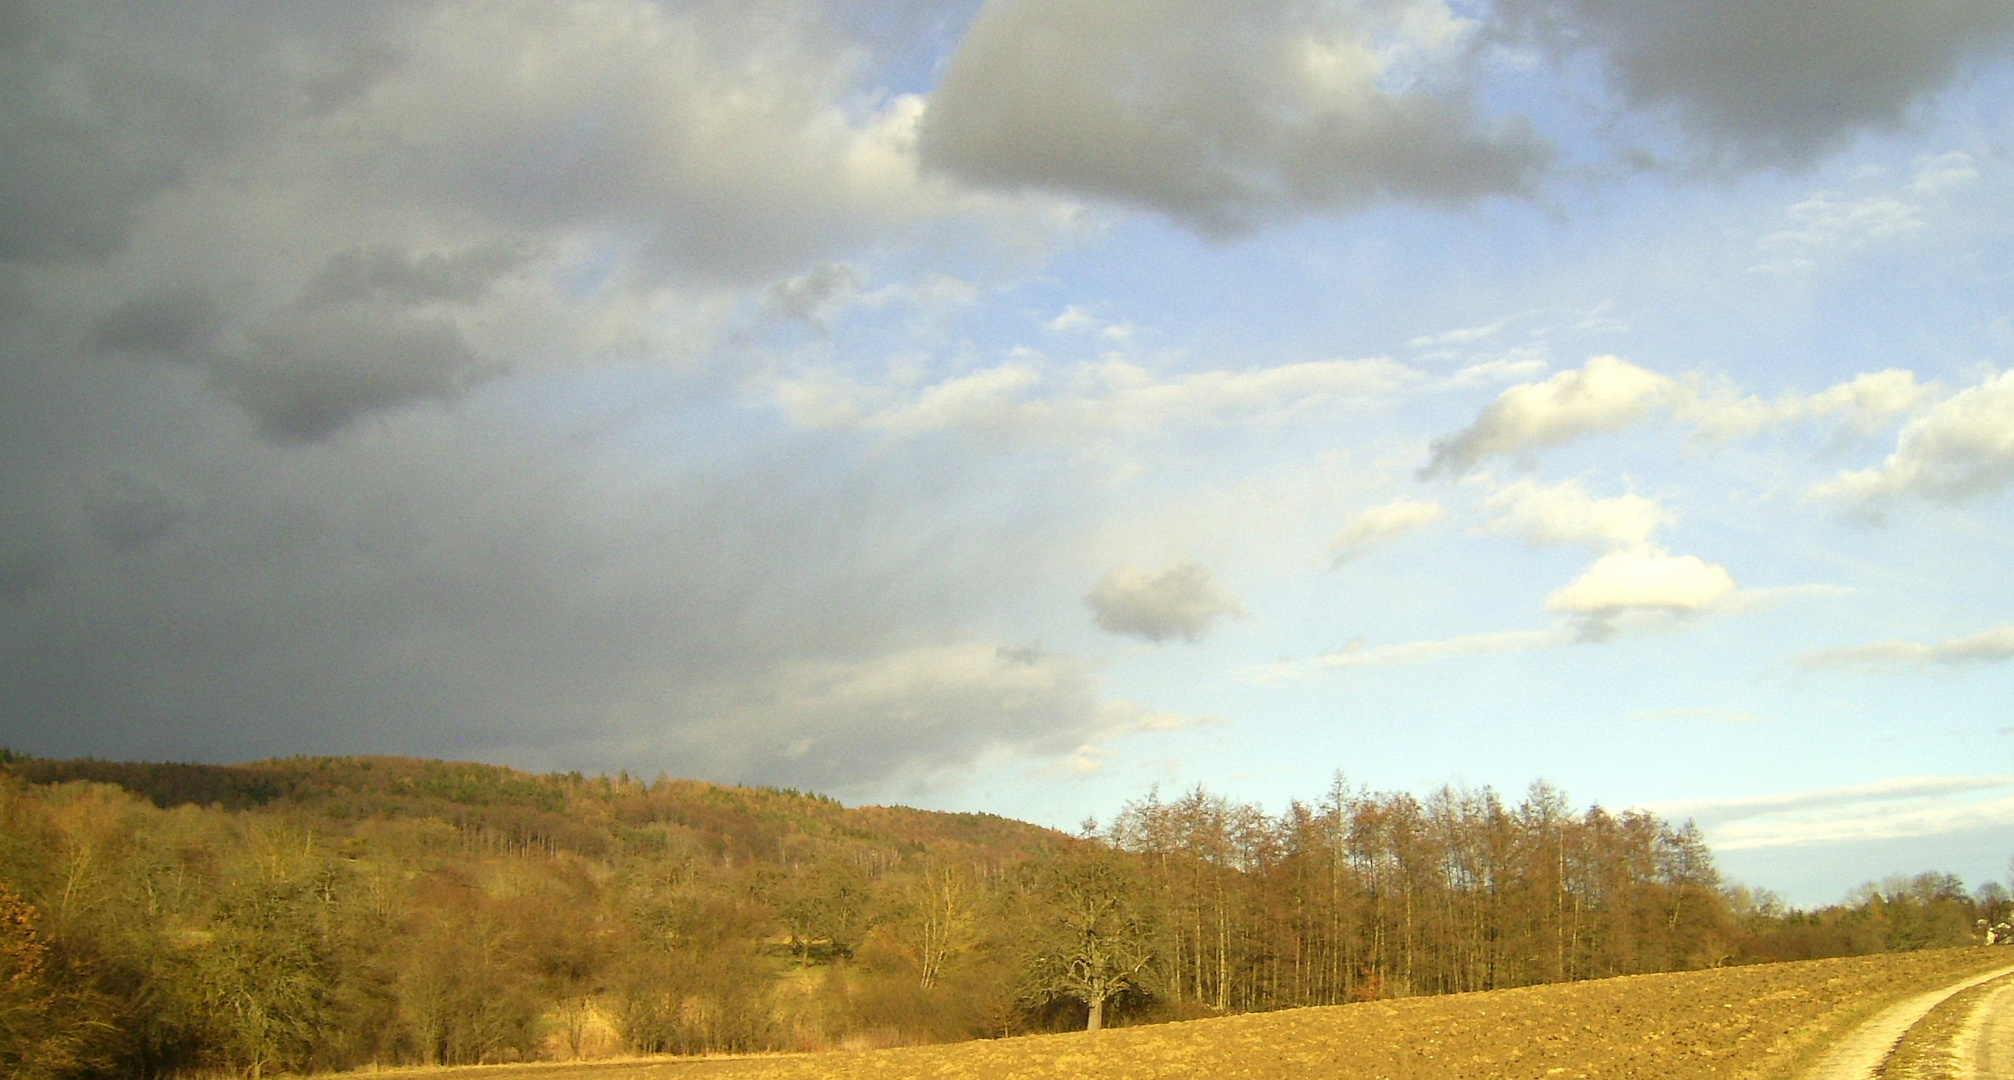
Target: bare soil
(1764,1022)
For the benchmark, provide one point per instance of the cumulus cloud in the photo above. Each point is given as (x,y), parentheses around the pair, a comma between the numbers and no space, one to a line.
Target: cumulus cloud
(1960,448)
(1609,394)
(1640,590)
(1606,394)
(1986,647)
(722,141)
(1181,600)
(309,374)
(1379,525)
(1639,582)
(1072,318)
(1775,83)
(1223,117)
(1029,397)
(1862,406)
(371,208)
(1565,513)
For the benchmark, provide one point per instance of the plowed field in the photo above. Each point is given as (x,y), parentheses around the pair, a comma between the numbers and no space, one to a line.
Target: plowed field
(1765,1021)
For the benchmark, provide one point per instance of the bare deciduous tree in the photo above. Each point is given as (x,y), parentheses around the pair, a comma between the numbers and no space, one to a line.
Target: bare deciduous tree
(1098,946)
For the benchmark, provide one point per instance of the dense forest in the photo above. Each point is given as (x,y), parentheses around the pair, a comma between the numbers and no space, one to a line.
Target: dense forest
(329,913)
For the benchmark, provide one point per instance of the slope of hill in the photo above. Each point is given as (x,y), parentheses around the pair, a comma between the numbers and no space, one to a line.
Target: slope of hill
(554,811)
(1763,1022)
(314,914)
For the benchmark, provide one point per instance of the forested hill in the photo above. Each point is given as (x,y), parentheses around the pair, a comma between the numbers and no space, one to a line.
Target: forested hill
(508,809)
(325,913)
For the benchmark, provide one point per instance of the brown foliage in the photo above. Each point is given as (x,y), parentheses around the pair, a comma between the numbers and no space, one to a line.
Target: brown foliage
(385,911)
(45,1027)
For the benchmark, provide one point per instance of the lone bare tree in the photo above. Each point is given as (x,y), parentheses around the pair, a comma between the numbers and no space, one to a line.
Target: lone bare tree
(1097,945)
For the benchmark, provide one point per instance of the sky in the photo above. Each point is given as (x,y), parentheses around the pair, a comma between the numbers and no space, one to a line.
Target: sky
(1022,405)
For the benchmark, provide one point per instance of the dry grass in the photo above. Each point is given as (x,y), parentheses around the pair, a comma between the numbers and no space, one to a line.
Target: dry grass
(1751,1023)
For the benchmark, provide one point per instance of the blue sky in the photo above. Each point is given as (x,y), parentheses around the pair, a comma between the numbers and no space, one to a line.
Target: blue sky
(1014,406)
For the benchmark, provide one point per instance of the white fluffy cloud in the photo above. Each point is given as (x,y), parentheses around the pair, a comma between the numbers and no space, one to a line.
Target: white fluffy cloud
(1643,579)
(1223,116)
(1543,515)
(1862,406)
(1181,600)
(1986,647)
(1608,393)
(1960,448)
(1380,524)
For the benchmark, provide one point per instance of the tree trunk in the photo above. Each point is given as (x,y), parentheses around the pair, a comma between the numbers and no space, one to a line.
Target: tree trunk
(1097,1019)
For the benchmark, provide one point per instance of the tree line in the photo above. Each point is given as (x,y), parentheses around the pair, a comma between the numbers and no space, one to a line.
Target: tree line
(321,914)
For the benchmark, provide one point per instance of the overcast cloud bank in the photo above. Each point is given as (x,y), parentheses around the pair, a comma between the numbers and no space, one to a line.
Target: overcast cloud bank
(956,402)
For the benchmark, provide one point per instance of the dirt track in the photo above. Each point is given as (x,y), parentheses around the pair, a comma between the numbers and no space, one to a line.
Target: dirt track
(1772,1022)
(1968,1036)
(1985,1046)
(1863,1052)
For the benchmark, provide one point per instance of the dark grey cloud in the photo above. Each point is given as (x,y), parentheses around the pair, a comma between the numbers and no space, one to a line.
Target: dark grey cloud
(309,375)
(129,513)
(1222,116)
(174,325)
(390,273)
(23,572)
(368,334)
(104,107)
(465,583)
(231,233)
(306,215)
(1774,81)
(340,210)
(69,176)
